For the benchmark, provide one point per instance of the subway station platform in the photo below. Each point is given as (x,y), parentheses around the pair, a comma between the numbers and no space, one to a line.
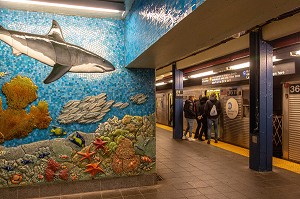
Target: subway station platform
(196,170)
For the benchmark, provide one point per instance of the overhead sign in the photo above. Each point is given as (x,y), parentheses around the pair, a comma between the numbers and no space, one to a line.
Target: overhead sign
(279,69)
(232,108)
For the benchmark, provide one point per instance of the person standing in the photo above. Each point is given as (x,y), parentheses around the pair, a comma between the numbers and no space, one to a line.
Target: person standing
(201,118)
(213,110)
(190,115)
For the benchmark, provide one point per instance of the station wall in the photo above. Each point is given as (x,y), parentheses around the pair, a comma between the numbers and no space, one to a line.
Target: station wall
(81,126)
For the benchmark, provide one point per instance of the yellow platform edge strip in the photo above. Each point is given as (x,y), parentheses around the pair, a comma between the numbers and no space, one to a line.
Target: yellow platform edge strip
(277,162)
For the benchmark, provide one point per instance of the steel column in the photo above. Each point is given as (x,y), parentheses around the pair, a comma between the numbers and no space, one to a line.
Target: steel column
(261,103)
(177,89)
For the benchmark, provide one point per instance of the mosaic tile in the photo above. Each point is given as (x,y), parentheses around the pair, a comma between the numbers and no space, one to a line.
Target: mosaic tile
(149,20)
(104,37)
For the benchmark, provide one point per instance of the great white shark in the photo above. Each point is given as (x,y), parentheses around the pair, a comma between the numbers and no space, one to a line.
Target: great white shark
(53,50)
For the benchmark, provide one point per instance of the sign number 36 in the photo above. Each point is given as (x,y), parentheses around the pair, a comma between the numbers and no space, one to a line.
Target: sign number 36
(294,89)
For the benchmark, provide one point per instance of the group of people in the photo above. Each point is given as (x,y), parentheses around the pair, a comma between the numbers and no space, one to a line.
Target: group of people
(206,112)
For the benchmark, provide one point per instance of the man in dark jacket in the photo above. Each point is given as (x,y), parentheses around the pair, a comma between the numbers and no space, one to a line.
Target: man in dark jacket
(212,110)
(201,118)
(190,115)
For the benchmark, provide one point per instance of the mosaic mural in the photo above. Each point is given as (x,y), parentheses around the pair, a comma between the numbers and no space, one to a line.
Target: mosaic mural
(83,125)
(149,20)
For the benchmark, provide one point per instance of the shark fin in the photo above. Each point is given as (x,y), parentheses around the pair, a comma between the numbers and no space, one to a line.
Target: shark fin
(55,32)
(57,72)
(16,52)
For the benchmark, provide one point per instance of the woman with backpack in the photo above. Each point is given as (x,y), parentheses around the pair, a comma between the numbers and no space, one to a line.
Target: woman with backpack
(213,110)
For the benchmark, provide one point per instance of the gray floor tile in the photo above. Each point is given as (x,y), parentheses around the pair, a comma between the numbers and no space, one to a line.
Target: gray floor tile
(190,192)
(111,194)
(207,190)
(134,197)
(94,195)
(130,192)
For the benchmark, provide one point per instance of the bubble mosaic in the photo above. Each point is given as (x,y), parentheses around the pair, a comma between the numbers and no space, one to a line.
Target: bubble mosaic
(149,20)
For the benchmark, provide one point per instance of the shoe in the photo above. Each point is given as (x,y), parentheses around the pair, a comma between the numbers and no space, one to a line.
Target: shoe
(208,142)
(216,141)
(201,140)
(190,139)
(184,137)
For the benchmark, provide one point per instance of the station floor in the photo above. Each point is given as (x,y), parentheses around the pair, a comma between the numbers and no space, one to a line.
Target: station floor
(196,170)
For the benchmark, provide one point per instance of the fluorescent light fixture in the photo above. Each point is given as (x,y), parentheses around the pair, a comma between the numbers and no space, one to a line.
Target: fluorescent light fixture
(171,81)
(160,84)
(185,78)
(275,59)
(63,5)
(211,72)
(238,66)
(295,53)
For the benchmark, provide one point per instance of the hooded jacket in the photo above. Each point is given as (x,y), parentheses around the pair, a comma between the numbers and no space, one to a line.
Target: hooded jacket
(200,104)
(189,109)
(208,106)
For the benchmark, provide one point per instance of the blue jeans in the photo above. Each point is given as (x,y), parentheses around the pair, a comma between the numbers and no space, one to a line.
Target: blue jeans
(209,126)
(190,125)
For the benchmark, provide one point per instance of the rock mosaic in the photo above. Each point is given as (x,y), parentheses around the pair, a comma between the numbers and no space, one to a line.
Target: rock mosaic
(117,148)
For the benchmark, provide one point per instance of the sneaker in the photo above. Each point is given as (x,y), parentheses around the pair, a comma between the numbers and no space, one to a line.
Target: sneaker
(190,139)
(216,141)
(184,137)
(208,142)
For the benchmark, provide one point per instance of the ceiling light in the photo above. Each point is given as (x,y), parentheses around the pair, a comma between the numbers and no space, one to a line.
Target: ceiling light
(160,84)
(238,66)
(185,78)
(211,72)
(275,59)
(64,6)
(295,53)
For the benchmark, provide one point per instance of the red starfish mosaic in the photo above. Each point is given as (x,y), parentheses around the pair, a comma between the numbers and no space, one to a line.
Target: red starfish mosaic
(100,144)
(94,168)
(87,154)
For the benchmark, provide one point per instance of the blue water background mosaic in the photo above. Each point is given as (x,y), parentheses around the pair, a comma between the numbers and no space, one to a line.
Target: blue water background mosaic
(104,37)
(149,20)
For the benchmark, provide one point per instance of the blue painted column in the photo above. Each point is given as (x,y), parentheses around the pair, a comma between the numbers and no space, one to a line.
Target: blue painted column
(261,103)
(177,89)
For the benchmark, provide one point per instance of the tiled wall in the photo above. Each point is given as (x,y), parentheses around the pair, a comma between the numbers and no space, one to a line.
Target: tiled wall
(148,20)
(121,144)
(104,37)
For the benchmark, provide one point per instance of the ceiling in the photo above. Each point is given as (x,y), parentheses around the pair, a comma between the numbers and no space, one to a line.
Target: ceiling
(211,23)
(35,5)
